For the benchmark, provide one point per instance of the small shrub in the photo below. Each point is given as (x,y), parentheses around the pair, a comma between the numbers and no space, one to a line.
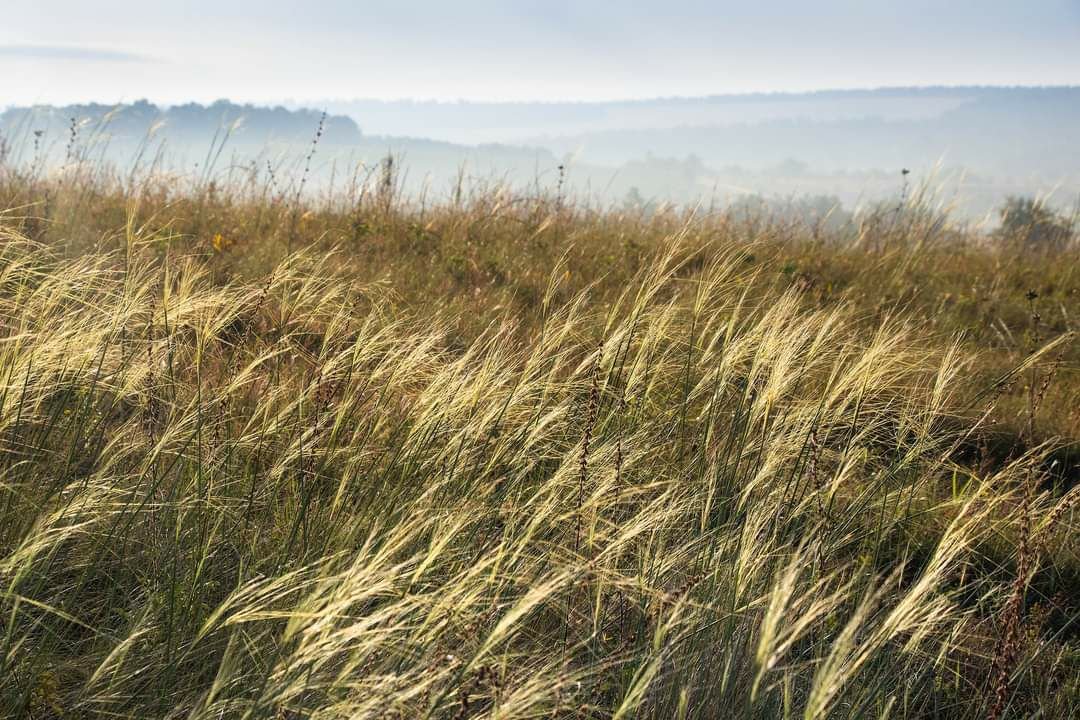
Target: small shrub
(1029,222)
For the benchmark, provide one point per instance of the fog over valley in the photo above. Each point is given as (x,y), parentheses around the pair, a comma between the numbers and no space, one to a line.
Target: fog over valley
(972,146)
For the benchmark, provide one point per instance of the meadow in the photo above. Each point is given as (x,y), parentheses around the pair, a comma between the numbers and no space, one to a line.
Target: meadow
(269,453)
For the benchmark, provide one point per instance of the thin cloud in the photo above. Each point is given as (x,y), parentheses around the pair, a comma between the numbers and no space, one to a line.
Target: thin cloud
(70,52)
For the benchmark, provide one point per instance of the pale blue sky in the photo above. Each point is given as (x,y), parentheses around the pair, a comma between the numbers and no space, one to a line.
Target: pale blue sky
(262,50)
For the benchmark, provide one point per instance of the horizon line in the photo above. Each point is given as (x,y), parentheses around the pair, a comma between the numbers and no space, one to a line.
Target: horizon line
(317,103)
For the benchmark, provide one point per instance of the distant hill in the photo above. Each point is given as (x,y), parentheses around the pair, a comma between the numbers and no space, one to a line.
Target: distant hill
(232,136)
(191,123)
(471,122)
(979,144)
(1019,132)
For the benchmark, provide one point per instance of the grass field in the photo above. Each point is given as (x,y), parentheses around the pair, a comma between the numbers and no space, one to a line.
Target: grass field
(267,455)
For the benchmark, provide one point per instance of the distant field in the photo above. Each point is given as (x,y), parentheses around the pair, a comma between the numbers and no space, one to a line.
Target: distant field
(503,455)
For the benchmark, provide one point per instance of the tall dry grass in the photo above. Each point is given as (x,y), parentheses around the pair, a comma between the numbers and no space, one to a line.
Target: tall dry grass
(671,489)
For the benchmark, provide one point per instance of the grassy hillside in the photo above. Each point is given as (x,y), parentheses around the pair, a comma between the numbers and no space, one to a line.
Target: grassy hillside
(268,456)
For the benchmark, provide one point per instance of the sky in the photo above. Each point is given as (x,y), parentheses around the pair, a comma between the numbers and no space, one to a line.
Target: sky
(59,51)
